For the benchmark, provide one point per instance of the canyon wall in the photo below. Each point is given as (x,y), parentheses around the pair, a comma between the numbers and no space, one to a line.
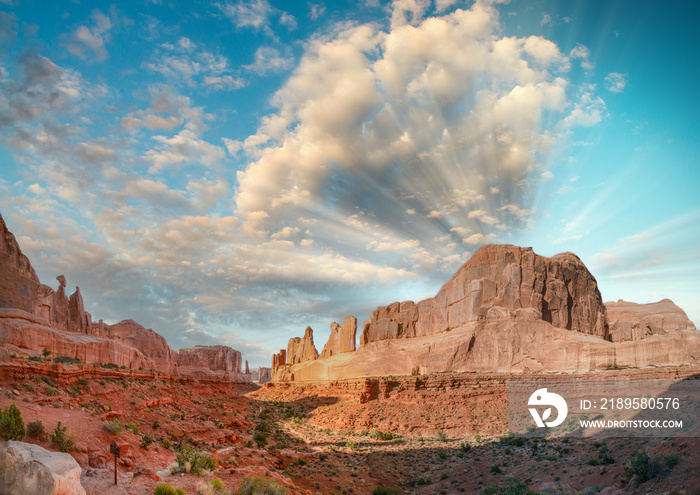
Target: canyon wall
(34,317)
(508,309)
(217,362)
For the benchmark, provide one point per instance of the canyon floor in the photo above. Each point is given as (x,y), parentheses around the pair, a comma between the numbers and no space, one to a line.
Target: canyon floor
(435,434)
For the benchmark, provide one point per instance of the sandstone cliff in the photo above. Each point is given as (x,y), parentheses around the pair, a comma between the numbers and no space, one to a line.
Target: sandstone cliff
(342,338)
(145,340)
(18,282)
(217,362)
(302,349)
(631,321)
(508,310)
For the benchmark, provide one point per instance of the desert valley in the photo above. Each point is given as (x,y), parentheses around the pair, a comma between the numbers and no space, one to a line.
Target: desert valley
(417,403)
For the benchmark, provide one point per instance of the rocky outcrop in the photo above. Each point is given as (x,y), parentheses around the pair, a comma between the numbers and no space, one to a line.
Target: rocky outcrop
(217,362)
(560,289)
(264,375)
(26,468)
(342,338)
(145,340)
(24,334)
(630,321)
(510,310)
(19,281)
(302,349)
(279,361)
(62,312)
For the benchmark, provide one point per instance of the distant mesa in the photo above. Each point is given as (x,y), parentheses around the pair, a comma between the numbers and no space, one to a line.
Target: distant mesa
(34,317)
(507,309)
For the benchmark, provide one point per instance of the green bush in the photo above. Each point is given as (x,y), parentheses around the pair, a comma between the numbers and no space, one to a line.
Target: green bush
(441,436)
(66,360)
(509,486)
(133,428)
(114,427)
(261,486)
(168,490)
(641,467)
(48,381)
(192,461)
(671,460)
(146,440)
(379,435)
(65,442)
(512,440)
(35,429)
(495,469)
(11,424)
(383,490)
(261,439)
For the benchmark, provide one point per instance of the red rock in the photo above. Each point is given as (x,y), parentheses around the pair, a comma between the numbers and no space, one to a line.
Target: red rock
(342,338)
(216,362)
(151,344)
(19,281)
(264,375)
(148,472)
(302,349)
(629,321)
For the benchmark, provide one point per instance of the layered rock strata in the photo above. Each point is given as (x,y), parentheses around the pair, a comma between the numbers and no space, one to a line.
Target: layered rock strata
(215,362)
(510,310)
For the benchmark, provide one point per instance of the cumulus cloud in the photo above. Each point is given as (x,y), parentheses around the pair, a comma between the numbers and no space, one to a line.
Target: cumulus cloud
(268,59)
(92,39)
(615,82)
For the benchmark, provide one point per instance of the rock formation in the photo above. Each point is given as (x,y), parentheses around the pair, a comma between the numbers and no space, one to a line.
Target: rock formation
(560,288)
(302,349)
(342,338)
(145,340)
(630,321)
(19,281)
(34,317)
(508,310)
(27,468)
(217,362)
(264,375)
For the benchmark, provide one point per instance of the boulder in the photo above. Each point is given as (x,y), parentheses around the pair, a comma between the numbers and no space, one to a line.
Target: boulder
(26,468)
(630,321)
(342,338)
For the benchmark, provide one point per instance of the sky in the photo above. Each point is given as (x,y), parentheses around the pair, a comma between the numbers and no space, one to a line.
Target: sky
(229,172)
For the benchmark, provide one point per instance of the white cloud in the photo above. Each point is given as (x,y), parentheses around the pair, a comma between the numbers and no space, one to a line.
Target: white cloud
(248,13)
(92,38)
(475,239)
(583,54)
(615,82)
(588,111)
(268,59)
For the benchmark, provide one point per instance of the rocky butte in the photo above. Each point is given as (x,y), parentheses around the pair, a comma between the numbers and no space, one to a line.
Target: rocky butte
(34,317)
(507,309)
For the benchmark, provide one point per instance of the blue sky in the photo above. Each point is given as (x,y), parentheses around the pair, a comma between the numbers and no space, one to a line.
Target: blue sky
(233,171)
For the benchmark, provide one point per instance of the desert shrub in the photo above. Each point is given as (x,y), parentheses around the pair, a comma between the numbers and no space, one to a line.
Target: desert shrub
(465,447)
(35,429)
(36,359)
(512,440)
(379,435)
(48,381)
(114,427)
(207,462)
(261,439)
(441,436)
(495,469)
(509,486)
(217,484)
(146,440)
(133,428)
(168,490)
(641,467)
(263,427)
(383,490)
(671,460)
(66,360)
(261,486)
(352,445)
(83,382)
(65,442)
(46,352)
(192,461)
(11,423)
(423,480)
(28,386)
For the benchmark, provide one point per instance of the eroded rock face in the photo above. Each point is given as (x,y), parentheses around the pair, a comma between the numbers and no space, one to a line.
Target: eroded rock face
(145,340)
(60,311)
(302,349)
(264,375)
(19,281)
(342,338)
(212,362)
(26,468)
(630,321)
(560,288)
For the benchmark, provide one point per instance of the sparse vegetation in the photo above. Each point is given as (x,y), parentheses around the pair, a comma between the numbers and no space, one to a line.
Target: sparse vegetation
(383,490)
(164,489)
(641,468)
(35,429)
(146,440)
(66,360)
(379,435)
(114,427)
(441,437)
(261,486)
(509,486)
